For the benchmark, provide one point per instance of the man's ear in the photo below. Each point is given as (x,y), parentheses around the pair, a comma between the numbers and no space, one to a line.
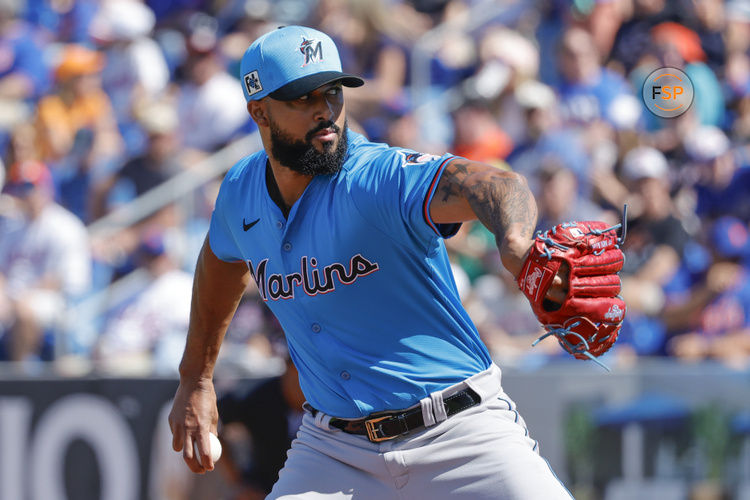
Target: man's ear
(258,113)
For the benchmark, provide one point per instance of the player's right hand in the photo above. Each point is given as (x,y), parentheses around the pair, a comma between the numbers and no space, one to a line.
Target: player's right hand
(193,416)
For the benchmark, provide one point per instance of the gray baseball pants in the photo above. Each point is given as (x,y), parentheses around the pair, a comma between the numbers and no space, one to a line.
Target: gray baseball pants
(484,452)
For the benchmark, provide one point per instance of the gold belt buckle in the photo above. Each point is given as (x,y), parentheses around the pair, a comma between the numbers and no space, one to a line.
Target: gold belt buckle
(372,431)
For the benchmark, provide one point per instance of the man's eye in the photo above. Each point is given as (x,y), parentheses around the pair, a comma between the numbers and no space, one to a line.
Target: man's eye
(303,98)
(334,91)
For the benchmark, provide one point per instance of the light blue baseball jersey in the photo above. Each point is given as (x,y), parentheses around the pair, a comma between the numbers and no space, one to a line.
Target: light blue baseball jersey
(358,276)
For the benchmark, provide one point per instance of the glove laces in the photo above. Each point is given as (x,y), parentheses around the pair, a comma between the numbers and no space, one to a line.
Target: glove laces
(581,348)
(551,245)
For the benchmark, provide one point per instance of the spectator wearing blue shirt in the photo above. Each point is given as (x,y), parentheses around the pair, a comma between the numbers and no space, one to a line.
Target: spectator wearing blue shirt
(65,21)
(723,187)
(715,314)
(23,75)
(588,92)
(22,71)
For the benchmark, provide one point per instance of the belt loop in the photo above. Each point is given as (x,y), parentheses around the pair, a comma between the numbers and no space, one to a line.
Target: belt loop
(427,415)
(322,420)
(478,389)
(438,407)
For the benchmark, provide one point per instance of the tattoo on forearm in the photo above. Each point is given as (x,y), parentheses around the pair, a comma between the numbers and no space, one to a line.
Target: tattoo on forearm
(499,199)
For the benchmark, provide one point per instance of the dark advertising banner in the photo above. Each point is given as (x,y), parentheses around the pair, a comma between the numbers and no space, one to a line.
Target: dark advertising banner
(108,439)
(84,439)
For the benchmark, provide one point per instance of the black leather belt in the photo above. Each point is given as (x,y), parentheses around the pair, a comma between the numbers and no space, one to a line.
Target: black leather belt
(386,425)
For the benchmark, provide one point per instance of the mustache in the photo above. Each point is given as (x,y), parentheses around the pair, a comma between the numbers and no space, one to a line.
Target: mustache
(322,126)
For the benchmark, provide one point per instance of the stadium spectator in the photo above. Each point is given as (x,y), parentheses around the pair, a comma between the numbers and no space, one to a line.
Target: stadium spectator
(478,137)
(76,128)
(211,106)
(656,237)
(562,145)
(588,92)
(540,115)
(78,103)
(559,200)
(710,25)
(269,414)
(144,172)
(507,60)
(713,315)
(23,75)
(375,44)
(65,22)
(506,325)
(633,40)
(722,187)
(147,333)
(45,265)
(256,339)
(680,47)
(135,71)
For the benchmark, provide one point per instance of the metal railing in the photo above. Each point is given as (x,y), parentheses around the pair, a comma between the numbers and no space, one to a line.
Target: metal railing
(175,188)
(82,316)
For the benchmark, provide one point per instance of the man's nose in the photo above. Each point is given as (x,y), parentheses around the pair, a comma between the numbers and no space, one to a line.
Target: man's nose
(323,109)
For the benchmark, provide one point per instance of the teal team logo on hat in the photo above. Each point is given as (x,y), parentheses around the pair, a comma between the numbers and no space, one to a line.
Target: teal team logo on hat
(313,51)
(290,62)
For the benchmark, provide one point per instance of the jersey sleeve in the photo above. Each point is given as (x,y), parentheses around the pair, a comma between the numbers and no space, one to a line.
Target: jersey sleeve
(220,237)
(395,192)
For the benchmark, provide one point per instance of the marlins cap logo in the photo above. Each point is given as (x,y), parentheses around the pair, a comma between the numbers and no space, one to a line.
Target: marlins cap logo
(414,158)
(312,50)
(252,83)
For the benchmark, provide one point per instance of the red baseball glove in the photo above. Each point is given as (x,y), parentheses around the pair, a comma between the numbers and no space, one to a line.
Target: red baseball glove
(588,321)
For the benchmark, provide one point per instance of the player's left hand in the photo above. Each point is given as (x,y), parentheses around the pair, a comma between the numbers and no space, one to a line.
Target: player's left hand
(570,276)
(558,290)
(194,414)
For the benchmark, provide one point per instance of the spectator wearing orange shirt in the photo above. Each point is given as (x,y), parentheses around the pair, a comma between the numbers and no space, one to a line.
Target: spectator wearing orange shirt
(79,103)
(78,135)
(478,137)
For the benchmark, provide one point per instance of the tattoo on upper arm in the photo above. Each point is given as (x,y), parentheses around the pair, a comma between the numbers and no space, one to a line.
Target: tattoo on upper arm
(449,188)
(499,199)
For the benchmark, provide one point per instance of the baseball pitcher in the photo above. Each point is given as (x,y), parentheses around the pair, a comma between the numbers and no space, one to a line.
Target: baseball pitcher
(344,240)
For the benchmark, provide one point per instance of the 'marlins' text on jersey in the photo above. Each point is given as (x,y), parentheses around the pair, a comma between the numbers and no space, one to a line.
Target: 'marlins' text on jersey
(312,280)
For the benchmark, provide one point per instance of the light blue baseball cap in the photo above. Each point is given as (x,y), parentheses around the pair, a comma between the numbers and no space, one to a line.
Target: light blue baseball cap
(290,62)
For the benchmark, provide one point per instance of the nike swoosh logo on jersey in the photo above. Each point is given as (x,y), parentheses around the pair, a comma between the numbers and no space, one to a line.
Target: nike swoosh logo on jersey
(247,226)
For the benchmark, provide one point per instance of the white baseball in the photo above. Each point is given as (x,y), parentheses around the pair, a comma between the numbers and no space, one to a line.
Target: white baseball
(214,448)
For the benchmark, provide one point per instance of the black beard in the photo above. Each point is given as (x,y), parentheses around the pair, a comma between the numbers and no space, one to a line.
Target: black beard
(302,157)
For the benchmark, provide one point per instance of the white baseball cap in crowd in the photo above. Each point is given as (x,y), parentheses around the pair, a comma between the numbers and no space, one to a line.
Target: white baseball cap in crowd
(644,162)
(290,62)
(706,143)
(122,20)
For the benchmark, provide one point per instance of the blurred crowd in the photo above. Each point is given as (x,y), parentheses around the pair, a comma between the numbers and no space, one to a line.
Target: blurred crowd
(103,101)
